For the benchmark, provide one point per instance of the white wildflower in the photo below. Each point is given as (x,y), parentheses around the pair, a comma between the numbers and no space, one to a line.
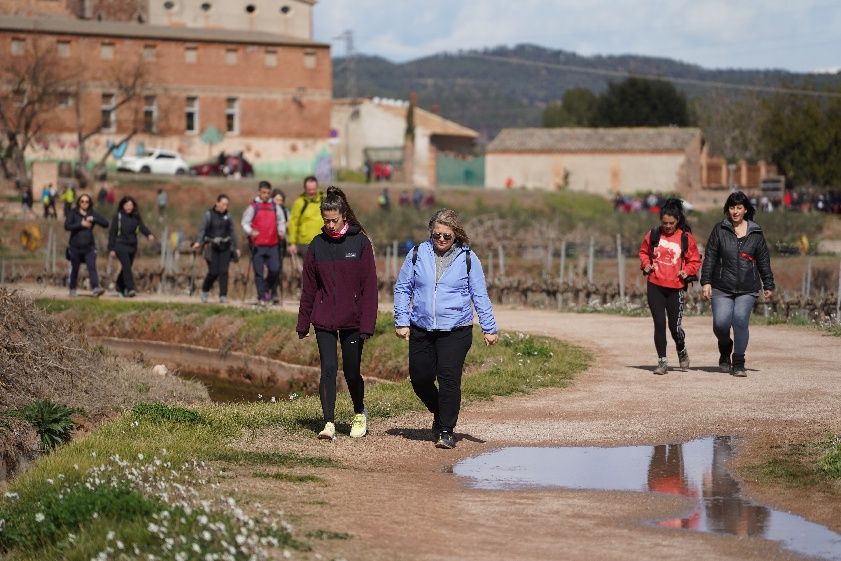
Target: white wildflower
(39,517)
(12,496)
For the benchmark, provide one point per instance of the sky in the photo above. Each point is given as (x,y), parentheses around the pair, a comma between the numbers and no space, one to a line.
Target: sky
(794,35)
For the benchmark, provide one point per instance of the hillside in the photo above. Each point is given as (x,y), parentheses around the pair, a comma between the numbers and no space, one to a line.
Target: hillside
(487,94)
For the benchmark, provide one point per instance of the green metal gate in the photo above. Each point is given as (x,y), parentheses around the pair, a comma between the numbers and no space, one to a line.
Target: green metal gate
(455,171)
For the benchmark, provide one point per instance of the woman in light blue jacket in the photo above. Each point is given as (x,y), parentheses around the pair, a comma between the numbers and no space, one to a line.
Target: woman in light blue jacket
(438,282)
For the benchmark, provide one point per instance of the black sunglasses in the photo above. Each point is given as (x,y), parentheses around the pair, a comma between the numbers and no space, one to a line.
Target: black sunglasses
(439,235)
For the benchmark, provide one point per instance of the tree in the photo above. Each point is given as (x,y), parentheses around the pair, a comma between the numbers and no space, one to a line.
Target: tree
(802,135)
(576,109)
(31,87)
(639,102)
(732,123)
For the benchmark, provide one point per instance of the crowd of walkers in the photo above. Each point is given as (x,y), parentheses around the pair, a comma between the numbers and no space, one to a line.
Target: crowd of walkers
(440,285)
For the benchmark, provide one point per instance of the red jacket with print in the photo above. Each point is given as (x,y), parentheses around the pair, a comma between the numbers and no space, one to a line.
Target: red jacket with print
(339,284)
(668,258)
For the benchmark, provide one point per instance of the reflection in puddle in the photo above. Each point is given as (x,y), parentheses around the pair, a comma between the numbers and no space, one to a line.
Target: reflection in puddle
(695,470)
(222,390)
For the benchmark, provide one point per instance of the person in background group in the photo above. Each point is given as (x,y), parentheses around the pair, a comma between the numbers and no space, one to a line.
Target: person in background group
(53,200)
(737,265)
(122,242)
(68,197)
(437,284)
(339,298)
(218,238)
(669,257)
(162,201)
(305,221)
(27,202)
(265,225)
(279,198)
(80,221)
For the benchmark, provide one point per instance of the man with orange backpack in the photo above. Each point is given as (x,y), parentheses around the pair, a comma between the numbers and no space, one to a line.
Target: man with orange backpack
(264,225)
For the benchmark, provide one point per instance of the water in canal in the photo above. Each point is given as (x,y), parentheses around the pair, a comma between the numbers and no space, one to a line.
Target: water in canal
(696,470)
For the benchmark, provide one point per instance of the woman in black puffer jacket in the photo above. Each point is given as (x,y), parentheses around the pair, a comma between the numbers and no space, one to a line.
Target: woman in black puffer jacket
(122,242)
(737,265)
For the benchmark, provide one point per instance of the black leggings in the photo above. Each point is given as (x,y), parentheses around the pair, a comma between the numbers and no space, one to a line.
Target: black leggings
(351,362)
(125,255)
(666,302)
(439,355)
(217,268)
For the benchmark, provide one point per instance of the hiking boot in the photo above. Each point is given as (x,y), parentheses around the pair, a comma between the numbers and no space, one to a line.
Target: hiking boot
(683,357)
(203,296)
(724,351)
(131,293)
(359,425)
(223,299)
(72,293)
(446,440)
(738,366)
(662,366)
(98,291)
(328,432)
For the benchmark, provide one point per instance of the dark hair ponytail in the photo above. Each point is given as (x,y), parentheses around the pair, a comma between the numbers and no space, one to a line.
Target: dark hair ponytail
(335,199)
(674,208)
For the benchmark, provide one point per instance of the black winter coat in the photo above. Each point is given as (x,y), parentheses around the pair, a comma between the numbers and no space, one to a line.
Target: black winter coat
(81,237)
(737,266)
(124,228)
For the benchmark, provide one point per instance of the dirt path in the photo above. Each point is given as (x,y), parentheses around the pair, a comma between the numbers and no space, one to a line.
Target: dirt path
(399,500)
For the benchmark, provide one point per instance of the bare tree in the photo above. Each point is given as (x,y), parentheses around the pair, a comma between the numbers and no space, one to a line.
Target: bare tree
(31,88)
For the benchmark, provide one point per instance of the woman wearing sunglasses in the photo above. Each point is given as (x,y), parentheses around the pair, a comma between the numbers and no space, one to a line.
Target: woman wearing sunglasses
(80,221)
(439,283)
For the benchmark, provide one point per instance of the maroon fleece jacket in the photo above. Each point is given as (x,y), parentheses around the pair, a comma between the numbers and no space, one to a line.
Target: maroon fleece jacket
(339,284)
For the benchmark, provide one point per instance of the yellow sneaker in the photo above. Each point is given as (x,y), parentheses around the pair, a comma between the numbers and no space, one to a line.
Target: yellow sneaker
(328,433)
(359,425)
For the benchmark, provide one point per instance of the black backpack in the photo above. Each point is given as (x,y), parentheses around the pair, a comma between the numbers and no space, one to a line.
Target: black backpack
(654,241)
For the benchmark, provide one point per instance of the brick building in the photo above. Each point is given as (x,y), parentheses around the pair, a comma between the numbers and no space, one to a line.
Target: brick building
(266,87)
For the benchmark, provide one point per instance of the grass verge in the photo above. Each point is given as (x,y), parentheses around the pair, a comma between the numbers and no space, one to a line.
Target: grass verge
(805,465)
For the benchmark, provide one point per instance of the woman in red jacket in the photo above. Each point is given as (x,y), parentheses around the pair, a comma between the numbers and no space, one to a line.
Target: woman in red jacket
(339,298)
(669,257)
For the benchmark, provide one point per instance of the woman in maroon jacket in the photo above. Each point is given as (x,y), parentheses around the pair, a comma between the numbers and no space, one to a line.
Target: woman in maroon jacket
(339,298)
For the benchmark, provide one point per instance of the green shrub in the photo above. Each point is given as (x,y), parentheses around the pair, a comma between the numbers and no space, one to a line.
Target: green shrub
(830,464)
(52,421)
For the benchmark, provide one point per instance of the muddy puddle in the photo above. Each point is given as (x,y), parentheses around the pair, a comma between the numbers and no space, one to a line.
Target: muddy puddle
(696,470)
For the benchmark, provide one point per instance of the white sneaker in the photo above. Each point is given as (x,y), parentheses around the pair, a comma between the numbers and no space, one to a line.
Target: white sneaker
(328,432)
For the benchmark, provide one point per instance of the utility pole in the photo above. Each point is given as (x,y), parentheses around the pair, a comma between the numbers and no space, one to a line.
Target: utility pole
(350,72)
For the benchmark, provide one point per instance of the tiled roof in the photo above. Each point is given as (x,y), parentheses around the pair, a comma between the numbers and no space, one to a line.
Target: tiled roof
(638,139)
(71,26)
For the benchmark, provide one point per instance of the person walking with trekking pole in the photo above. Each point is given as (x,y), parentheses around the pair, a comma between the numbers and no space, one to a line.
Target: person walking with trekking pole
(737,265)
(339,299)
(80,222)
(217,239)
(670,259)
(439,284)
(264,224)
(122,242)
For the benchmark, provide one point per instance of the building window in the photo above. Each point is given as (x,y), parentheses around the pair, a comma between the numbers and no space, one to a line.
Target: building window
(109,114)
(106,51)
(65,99)
(230,56)
(191,55)
(251,8)
(63,49)
(232,115)
(191,115)
(150,52)
(169,5)
(271,58)
(18,47)
(310,59)
(285,10)
(150,114)
(206,6)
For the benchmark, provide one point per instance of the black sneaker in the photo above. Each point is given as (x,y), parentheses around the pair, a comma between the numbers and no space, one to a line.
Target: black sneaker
(738,366)
(436,431)
(446,440)
(724,350)
(131,293)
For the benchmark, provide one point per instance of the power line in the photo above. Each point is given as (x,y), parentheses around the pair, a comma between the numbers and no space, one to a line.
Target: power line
(675,79)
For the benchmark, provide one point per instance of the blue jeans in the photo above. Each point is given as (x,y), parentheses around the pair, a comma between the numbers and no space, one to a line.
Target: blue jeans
(265,257)
(77,256)
(732,310)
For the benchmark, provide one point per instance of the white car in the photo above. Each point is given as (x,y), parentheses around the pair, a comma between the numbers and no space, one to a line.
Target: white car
(156,161)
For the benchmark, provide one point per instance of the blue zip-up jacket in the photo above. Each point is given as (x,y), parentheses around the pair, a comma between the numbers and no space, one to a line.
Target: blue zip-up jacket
(444,305)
